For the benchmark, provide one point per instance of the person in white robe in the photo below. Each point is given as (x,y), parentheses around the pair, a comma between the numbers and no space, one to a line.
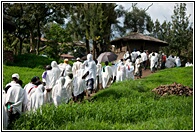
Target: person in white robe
(37,98)
(59,92)
(106,75)
(69,83)
(126,55)
(153,61)
(13,101)
(49,84)
(129,70)
(15,77)
(170,62)
(79,84)
(90,72)
(76,66)
(98,83)
(121,72)
(56,70)
(144,59)
(28,87)
(178,62)
(63,66)
(134,55)
(188,64)
(138,67)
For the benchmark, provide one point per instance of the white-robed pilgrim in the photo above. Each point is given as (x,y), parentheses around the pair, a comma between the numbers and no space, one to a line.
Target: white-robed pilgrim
(178,62)
(15,96)
(56,70)
(129,70)
(76,66)
(59,92)
(106,76)
(78,82)
(90,66)
(50,82)
(121,72)
(153,62)
(68,83)
(37,98)
(27,88)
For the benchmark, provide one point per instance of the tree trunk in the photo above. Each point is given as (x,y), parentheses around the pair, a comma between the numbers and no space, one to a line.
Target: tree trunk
(38,40)
(87,46)
(32,48)
(20,49)
(94,50)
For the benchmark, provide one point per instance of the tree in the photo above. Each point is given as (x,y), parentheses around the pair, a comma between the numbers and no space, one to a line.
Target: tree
(56,38)
(138,20)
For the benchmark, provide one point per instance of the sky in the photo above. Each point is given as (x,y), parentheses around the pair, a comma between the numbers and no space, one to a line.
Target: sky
(160,10)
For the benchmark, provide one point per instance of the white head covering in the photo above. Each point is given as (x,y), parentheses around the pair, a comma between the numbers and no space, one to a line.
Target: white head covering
(16,75)
(53,64)
(89,57)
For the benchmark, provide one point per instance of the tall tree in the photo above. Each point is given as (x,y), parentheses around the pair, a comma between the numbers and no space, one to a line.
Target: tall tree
(138,20)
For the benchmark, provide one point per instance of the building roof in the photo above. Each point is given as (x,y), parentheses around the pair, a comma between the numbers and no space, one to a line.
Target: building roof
(139,36)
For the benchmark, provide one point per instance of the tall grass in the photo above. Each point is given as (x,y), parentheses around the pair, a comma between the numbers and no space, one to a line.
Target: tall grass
(128,105)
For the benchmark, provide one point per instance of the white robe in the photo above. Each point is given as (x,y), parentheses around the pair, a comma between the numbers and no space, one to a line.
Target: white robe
(15,95)
(178,62)
(75,67)
(37,98)
(106,76)
(69,87)
(129,70)
(90,66)
(79,83)
(121,72)
(26,101)
(137,64)
(152,62)
(59,92)
(56,70)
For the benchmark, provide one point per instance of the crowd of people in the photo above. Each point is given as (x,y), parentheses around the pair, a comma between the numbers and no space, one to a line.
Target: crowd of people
(63,83)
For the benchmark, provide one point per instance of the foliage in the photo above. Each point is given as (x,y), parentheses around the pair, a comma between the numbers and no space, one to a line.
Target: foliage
(127,105)
(31,61)
(138,20)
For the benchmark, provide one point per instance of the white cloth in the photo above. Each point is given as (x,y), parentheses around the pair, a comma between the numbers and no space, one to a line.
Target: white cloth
(178,62)
(144,56)
(134,56)
(188,64)
(11,83)
(129,70)
(75,67)
(26,101)
(152,62)
(56,71)
(90,66)
(59,92)
(37,98)
(69,87)
(78,82)
(106,76)
(114,70)
(15,95)
(169,62)
(138,62)
(121,72)
(99,73)
(126,55)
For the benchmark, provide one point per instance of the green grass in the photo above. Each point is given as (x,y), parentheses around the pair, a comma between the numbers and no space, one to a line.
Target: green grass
(128,105)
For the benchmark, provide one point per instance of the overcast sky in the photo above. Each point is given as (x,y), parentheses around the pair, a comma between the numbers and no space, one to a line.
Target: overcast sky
(160,10)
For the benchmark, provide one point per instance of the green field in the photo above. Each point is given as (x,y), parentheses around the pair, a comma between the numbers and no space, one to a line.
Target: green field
(128,105)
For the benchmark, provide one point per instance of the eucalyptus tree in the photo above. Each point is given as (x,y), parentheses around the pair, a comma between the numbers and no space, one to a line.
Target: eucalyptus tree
(137,20)
(182,30)
(15,12)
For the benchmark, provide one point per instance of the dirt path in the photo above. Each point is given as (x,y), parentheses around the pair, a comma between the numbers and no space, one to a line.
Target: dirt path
(146,72)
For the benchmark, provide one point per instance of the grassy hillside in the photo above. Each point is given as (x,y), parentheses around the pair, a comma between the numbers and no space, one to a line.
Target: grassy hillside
(128,105)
